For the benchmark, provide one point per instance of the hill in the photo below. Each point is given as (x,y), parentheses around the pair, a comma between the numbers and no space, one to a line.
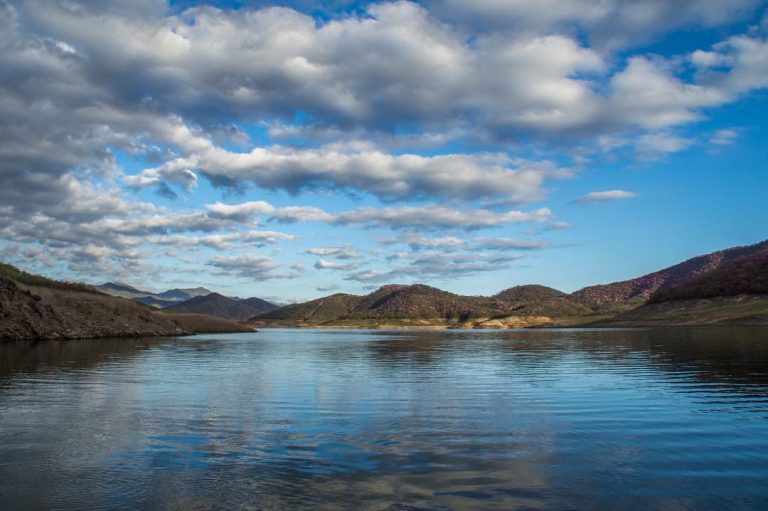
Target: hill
(124,290)
(418,301)
(324,309)
(221,306)
(747,275)
(536,300)
(258,305)
(181,295)
(159,300)
(421,305)
(704,282)
(153,302)
(730,310)
(632,293)
(191,300)
(34,307)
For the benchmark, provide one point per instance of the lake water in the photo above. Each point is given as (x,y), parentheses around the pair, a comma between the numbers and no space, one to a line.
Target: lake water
(319,419)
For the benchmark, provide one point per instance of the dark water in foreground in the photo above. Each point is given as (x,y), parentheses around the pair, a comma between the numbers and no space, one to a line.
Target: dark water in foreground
(646,419)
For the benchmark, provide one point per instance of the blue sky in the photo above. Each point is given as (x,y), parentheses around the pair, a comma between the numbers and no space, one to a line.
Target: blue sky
(289,150)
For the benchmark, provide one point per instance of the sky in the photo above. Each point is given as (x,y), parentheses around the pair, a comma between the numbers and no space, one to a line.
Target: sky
(294,149)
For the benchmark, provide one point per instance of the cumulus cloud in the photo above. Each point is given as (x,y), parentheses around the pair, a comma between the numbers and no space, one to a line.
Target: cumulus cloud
(431,217)
(336,252)
(392,177)
(240,211)
(436,265)
(608,23)
(322,264)
(86,85)
(509,244)
(654,145)
(252,267)
(419,241)
(243,239)
(606,196)
(292,214)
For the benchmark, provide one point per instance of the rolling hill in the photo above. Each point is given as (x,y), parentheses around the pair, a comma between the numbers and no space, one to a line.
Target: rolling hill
(419,304)
(628,294)
(321,310)
(536,300)
(725,287)
(747,275)
(732,272)
(221,306)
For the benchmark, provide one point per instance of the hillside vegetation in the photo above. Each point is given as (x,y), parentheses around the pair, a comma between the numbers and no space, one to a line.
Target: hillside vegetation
(420,305)
(725,287)
(35,307)
(29,279)
(745,276)
(629,294)
(221,306)
(317,311)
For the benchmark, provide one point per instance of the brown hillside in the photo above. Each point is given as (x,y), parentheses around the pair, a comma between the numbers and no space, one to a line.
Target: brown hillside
(637,291)
(59,312)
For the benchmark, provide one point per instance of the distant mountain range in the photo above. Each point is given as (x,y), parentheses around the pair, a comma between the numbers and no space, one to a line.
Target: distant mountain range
(198,300)
(724,287)
(726,273)
(159,300)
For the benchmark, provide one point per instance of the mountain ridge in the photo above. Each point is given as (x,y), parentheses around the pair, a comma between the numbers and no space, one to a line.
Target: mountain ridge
(638,290)
(221,306)
(724,287)
(409,303)
(236,309)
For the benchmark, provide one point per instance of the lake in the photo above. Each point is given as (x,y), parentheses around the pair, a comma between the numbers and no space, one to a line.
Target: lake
(401,420)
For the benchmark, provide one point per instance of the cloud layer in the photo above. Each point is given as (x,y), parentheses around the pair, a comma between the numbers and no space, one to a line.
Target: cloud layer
(434,122)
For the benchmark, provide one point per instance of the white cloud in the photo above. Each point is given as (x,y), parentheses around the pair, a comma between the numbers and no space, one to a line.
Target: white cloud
(405,176)
(606,196)
(337,252)
(608,23)
(654,144)
(252,267)
(85,83)
(240,211)
(437,265)
(418,241)
(322,264)
(647,96)
(509,244)
(429,217)
(724,137)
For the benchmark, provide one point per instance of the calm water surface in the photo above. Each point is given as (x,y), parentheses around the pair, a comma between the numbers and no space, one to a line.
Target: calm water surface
(284,419)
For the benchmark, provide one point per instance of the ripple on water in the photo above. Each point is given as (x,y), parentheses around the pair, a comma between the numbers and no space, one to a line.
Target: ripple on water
(645,419)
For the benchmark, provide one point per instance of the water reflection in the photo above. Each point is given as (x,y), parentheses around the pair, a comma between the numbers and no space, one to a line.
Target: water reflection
(536,419)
